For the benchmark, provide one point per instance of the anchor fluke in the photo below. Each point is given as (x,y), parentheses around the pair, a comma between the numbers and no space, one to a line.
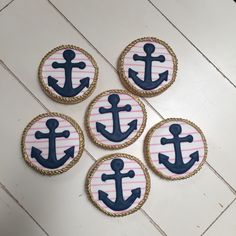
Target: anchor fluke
(179,166)
(195,156)
(70,152)
(146,84)
(85,82)
(100,127)
(52,81)
(48,163)
(119,205)
(136,193)
(163,158)
(133,124)
(35,152)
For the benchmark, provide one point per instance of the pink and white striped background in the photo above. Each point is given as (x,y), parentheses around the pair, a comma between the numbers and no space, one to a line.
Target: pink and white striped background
(61,143)
(59,74)
(157,67)
(187,148)
(106,119)
(138,181)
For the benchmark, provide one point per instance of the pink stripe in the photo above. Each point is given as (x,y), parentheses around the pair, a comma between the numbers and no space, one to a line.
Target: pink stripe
(125,168)
(155,54)
(122,125)
(92,121)
(130,182)
(173,159)
(167,125)
(109,106)
(121,99)
(59,71)
(165,67)
(132,111)
(58,140)
(99,177)
(61,79)
(47,118)
(79,58)
(61,126)
(156,47)
(126,162)
(33,134)
(159,144)
(142,73)
(131,58)
(164,168)
(183,150)
(58,147)
(171,135)
(50,65)
(112,191)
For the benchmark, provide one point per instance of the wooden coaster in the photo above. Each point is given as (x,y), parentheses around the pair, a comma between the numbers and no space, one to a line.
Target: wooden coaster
(118,184)
(175,148)
(52,143)
(68,74)
(147,67)
(115,119)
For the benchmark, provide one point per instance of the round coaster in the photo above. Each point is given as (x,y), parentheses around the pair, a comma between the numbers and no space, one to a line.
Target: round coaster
(68,74)
(175,148)
(147,66)
(118,184)
(52,143)
(115,119)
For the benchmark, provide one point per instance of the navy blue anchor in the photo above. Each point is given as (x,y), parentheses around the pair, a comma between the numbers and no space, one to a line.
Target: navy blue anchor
(67,90)
(52,162)
(120,203)
(147,83)
(116,135)
(179,167)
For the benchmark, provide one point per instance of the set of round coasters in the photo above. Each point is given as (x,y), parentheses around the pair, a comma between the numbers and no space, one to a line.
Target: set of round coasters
(117,184)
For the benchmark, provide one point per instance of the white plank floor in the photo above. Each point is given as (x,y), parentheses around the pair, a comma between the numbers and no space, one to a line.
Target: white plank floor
(31,204)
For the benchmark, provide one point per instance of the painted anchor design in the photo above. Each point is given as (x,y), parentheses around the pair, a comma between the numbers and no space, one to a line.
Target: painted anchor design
(120,203)
(148,83)
(179,167)
(116,135)
(67,90)
(52,162)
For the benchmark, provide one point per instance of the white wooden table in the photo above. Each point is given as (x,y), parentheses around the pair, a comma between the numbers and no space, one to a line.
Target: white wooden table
(202,34)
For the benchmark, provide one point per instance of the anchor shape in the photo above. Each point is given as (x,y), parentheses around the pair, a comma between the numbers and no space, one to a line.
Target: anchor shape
(116,135)
(179,167)
(147,83)
(52,162)
(67,90)
(120,204)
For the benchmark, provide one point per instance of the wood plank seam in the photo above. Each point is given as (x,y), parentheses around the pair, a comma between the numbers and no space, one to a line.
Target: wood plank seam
(157,227)
(184,36)
(153,222)
(4,7)
(4,188)
(218,217)
(144,99)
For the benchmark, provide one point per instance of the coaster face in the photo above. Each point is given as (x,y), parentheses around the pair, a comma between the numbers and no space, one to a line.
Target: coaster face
(68,74)
(118,184)
(52,143)
(175,148)
(147,67)
(115,119)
